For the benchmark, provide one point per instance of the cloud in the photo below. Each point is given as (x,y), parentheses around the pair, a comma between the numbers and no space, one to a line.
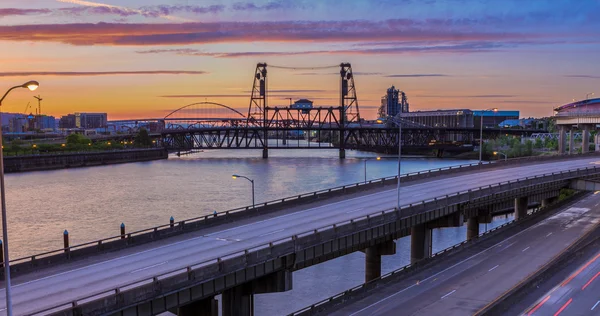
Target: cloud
(583,76)
(205,96)
(269,6)
(100,73)
(416,75)
(145,34)
(102,8)
(12,11)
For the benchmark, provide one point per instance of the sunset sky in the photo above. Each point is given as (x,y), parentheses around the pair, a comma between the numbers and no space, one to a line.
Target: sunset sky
(144,58)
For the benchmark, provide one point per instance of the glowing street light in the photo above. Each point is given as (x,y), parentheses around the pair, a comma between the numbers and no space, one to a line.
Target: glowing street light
(235,176)
(31,85)
(378,158)
(500,153)
(588,95)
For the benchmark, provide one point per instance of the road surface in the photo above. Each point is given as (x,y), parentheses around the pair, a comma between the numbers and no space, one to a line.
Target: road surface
(467,286)
(578,294)
(64,283)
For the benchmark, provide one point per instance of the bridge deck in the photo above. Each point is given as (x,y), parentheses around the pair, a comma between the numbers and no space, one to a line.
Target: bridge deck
(52,286)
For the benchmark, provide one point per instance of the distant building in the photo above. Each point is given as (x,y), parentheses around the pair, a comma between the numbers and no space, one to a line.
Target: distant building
(90,120)
(394,102)
(441,118)
(67,121)
(45,122)
(493,119)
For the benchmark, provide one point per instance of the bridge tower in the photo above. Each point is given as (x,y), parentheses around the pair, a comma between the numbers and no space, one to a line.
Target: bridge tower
(258,98)
(348,103)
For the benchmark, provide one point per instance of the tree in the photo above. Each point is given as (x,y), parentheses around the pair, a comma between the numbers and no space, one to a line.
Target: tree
(539,144)
(142,138)
(77,139)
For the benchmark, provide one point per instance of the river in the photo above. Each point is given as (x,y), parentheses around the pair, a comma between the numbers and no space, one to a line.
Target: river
(91,203)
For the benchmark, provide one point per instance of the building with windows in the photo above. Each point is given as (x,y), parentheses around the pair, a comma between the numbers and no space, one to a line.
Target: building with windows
(442,118)
(393,102)
(67,121)
(493,118)
(90,120)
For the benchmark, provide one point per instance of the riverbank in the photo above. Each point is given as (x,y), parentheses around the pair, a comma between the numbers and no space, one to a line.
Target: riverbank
(83,159)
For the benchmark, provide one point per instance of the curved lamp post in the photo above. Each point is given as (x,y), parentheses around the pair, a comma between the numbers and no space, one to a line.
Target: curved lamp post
(367,159)
(588,95)
(31,85)
(500,153)
(481,131)
(235,176)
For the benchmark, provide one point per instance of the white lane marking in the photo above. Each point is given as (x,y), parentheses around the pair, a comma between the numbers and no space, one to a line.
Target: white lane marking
(1,310)
(448,294)
(512,243)
(595,305)
(221,239)
(490,270)
(451,267)
(360,209)
(548,234)
(148,267)
(107,261)
(271,233)
(525,249)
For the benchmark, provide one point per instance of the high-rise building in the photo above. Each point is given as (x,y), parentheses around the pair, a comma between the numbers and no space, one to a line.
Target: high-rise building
(67,121)
(394,102)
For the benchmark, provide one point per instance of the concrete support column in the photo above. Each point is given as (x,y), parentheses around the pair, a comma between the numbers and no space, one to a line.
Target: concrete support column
(597,142)
(571,142)
(420,243)
(372,264)
(472,227)
(585,139)
(562,140)
(521,205)
(265,152)
(238,301)
(373,258)
(548,201)
(205,307)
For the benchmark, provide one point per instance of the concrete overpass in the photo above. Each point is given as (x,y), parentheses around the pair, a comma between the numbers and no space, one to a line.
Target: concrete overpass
(582,115)
(257,254)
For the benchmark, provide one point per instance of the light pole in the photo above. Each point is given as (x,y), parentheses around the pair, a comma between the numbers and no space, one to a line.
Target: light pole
(587,95)
(501,153)
(481,131)
(366,159)
(235,176)
(31,85)
(399,158)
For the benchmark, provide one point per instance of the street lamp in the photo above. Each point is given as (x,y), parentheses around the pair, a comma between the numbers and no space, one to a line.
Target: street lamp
(366,159)
(399,157)
(31,85)
(501,153)
(235,176)
(587,95)
(481,131)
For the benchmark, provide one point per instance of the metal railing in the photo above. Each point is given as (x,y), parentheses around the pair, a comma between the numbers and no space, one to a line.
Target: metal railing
(145,288)
(192,224)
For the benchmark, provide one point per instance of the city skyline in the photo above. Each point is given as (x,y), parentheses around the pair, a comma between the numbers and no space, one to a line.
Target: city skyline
(146,58)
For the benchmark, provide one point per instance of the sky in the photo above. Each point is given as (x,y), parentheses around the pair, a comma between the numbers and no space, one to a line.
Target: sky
(145,58)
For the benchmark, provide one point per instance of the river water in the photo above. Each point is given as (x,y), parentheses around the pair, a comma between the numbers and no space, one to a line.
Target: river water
(91,203)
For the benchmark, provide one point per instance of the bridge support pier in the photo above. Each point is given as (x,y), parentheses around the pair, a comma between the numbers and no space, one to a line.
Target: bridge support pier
(585,139)
(342,153)
(420,243)
(472,227)
(373,258)
(571,142)
(205,307)
(265,153)
(562,140)
(238,301)
(548,201)
(521,205)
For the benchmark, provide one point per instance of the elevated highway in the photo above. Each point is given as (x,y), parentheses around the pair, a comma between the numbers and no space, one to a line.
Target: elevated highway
(258,255)
(465,285)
